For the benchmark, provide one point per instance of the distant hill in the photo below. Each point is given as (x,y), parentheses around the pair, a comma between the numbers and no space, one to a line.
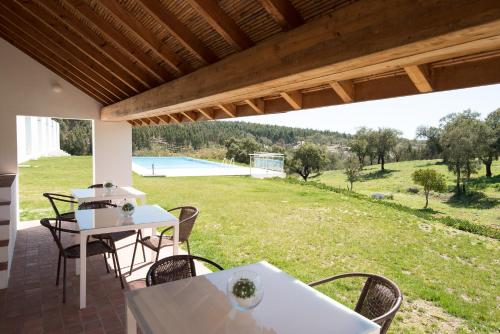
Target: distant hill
(205,134)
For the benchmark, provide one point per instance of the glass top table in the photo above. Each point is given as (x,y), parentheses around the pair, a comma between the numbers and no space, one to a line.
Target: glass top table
(100,194)
(108,220)
(201,305)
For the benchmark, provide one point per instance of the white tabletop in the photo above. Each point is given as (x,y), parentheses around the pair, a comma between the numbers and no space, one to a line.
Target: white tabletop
(200,305)
(88,195)
(113,219)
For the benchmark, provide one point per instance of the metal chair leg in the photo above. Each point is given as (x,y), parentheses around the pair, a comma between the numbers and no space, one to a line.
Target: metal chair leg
(106,262)
(119,270)
(133,255)
(187,244)
(64,280)
(58,269)
(114,264)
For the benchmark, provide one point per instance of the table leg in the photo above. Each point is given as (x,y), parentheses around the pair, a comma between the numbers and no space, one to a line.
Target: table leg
(83,270)
(175,249)
(131,322)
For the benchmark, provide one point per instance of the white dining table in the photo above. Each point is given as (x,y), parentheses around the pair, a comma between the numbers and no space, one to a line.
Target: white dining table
(86,195)
(201,305)
(108,220)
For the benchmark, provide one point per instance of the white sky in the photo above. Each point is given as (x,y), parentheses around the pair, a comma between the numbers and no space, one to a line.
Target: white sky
(403,113)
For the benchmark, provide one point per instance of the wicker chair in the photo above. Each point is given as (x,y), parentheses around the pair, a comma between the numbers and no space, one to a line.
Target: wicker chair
(187,218)
(95,247)
(379,301)
(174,268)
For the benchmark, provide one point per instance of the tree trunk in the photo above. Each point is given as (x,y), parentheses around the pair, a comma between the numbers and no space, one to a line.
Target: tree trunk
(351,186)
(382,163)
(426,199)
(459,190)
(488,163)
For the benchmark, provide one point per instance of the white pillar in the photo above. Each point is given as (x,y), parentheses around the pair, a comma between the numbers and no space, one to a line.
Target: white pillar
(112,145)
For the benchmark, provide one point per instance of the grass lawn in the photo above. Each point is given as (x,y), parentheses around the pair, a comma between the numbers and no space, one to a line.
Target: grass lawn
(482,208)
(449,278)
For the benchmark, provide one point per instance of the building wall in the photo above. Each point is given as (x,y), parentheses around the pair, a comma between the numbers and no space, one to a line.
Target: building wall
(37,137)
(27,89)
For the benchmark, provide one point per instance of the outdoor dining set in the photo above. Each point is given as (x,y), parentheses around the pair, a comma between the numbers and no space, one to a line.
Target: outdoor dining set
(179,298)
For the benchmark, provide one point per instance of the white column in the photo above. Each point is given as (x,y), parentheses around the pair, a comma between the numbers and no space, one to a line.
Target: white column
(112,152)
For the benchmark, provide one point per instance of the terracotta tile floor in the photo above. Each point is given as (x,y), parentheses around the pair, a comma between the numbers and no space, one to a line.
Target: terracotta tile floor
(33,304)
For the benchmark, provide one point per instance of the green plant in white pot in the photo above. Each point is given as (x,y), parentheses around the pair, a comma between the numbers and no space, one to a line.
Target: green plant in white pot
(245,290)
(109,187)
(128,209)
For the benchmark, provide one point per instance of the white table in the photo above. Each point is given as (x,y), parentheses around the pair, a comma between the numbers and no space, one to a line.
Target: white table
(200,305)
(91,222)
(101,194)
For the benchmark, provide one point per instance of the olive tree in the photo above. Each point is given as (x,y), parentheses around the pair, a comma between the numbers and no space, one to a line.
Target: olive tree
(308,158)
(490,145)
(386,140)
(352,169)
(430,180)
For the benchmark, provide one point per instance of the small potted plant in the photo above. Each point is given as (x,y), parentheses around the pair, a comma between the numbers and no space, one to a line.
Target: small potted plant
(245,290)
(109,187)
(128,209)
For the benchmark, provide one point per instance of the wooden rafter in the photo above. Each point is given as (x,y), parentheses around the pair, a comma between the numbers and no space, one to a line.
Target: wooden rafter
(257,105)
(284,13)
(419,76)
(97,42)
(104,27)
(16,15)
(37,52)
(207,112)
(165,119)
(222,23)
(146,121)
(316,60)
(132,24)
(155,120)
(188,116)
(178,30)
(344,89)
(294,99)
(127,83)
(176,118)
(228,108)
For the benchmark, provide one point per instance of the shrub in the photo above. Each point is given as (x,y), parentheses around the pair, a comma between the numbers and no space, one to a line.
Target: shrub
(413,190)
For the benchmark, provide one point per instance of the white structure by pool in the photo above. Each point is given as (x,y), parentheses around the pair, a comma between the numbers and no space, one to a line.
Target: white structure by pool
(37,137)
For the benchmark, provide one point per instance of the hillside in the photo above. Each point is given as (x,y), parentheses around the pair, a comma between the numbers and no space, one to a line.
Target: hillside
(205,134)
(483,207)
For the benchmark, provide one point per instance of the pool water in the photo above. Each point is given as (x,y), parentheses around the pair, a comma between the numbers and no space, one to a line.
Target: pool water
(175,162)
(183,166)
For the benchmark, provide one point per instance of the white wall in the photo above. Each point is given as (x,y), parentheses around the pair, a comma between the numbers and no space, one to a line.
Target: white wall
(26,89)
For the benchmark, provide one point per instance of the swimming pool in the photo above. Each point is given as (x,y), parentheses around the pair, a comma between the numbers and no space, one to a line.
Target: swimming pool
(183,166)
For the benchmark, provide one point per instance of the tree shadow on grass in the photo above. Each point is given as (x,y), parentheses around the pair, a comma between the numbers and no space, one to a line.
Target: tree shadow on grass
(430,211)
(473,200)
(379,174)
(484,182)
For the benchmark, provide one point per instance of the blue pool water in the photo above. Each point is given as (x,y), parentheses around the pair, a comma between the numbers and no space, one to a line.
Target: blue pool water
(175,163)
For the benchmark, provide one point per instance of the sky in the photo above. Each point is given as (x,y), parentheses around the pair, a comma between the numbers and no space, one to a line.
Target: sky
(403,113)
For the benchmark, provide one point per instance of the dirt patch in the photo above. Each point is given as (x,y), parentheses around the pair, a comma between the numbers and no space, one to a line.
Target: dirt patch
(424,315)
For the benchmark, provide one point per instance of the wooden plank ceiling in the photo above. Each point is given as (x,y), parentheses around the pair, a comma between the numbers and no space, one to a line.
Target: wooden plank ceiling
(171,61)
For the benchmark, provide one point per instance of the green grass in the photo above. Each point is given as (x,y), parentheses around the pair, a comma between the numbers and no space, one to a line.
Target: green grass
(449,277)
(482,207)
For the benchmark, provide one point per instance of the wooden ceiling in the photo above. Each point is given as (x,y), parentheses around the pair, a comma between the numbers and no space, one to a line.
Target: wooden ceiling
(171,61)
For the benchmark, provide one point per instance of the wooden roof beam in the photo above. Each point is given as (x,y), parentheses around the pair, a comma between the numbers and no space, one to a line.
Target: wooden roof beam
(222,23)
(282,64)
(84,11)
(229,109)
(99,43)
(189,116)
(126,82)
(207,112)
(132,24)
(294,99)
(178,30)
(165,119)
(176,118)
(283,13)
(344,89)
(419,75)
(257,105)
